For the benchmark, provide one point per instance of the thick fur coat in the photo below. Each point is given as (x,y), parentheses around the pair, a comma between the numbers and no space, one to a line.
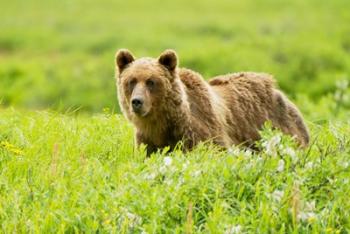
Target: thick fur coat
(168,104)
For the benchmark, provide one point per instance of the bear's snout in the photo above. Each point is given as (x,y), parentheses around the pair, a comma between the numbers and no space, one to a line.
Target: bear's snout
(137,104)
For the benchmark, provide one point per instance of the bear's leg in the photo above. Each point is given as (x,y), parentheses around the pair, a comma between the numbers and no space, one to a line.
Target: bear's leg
(150,148)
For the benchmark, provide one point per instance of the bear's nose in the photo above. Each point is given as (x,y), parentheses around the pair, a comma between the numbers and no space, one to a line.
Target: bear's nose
(136,103)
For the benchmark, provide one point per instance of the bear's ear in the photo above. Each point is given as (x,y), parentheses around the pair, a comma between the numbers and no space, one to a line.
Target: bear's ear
(122,58)
(168,59)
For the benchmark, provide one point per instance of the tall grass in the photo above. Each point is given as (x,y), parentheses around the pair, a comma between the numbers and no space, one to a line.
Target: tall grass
(66,173)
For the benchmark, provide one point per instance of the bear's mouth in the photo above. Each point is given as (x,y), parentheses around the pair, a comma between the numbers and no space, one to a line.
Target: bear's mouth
(140,113)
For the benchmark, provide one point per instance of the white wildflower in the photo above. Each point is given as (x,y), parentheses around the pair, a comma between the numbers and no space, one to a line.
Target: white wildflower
(150,176)
(249,166)
(29,223)
(168,182)
(310,206)
(308,213)
(163,169)
(298,182)
(342,84)
(332,181)
(196,173)
(291,152)
(181,181)
(309,165)
(234,229)
(130,216)
(324,212)
(345,164)
(133,219)
(277,195)
(185,165)
(271,145)
(248,153)
(302,216)
(275,140)
(307,216)
(167,161)
(259,159)
(233,151)
(280,166)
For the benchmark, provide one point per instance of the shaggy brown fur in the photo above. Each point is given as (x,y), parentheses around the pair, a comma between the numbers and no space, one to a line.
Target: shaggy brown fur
(169,104)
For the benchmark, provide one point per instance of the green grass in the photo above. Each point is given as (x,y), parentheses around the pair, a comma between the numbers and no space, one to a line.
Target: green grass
(68,168)
(77,173)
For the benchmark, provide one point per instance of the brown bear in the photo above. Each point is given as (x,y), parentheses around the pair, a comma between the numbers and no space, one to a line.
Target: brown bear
(168,104)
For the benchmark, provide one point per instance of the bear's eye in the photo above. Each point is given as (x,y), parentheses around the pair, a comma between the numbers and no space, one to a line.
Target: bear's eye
(132,83)
(150,83)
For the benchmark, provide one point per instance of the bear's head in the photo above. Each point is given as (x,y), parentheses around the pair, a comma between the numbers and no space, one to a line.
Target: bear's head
(143,84)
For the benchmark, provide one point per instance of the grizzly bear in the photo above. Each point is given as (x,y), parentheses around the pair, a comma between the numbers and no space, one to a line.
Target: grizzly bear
(168,104)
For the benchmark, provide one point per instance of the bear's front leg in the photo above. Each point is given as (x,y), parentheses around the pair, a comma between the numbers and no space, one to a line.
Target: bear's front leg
(150,148)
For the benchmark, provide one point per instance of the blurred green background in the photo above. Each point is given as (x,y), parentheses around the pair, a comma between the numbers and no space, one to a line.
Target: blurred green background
(60,54)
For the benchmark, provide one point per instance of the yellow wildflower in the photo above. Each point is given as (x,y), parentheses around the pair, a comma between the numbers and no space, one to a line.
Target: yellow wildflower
(11,148)
(107,222)
(311,219)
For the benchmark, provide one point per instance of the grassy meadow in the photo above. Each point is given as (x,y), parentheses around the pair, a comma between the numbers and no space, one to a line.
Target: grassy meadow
(67,158)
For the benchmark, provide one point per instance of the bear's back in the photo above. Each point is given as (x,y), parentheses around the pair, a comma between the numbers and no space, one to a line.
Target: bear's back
(249,97)
(247,87)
